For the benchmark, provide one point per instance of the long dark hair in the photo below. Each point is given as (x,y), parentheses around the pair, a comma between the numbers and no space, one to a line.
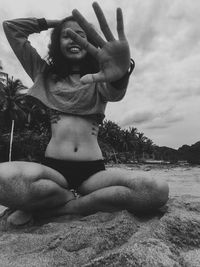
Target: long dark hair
(61,66)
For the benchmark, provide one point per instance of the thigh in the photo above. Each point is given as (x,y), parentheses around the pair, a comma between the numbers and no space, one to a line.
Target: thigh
(21,182)
(131,186)
(113,177)
(29,172)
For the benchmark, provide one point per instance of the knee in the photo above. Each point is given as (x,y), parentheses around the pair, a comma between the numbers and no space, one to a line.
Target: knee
(158,192)
(8,172)
(43,188)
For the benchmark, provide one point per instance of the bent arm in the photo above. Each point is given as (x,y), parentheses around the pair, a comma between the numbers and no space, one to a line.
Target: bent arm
(17,32)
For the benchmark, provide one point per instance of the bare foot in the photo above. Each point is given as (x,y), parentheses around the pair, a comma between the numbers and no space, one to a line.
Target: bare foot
(19,218)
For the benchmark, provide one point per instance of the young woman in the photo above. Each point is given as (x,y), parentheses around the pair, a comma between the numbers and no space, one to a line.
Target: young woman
(83,73)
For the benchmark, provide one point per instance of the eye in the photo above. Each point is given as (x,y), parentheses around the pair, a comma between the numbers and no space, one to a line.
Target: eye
(65,36)
(83,35)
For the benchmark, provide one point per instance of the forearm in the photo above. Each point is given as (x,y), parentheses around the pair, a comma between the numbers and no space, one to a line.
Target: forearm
(115,91)
(17,32)
(22,28)
(52,23)
(123,81)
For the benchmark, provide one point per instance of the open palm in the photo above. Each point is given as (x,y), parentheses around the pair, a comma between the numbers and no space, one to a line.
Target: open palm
(113,55)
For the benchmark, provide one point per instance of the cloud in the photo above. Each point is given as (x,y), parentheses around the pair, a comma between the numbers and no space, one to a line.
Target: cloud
(137,118)
(165,122)
(168,67)
(153,118)
(155,126)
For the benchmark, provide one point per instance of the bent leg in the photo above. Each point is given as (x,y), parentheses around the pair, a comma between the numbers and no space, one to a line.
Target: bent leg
(30,186)
(117,189)
(108,199)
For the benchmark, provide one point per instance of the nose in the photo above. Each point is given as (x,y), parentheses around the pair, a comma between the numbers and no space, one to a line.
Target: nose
(71,41)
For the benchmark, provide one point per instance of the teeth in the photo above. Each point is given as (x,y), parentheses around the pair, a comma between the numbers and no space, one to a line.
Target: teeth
(74,49)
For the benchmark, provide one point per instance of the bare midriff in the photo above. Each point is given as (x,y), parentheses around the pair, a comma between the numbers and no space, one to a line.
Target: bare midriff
(74,138)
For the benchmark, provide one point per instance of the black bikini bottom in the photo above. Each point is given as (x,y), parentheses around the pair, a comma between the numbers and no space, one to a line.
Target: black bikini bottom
(75,172)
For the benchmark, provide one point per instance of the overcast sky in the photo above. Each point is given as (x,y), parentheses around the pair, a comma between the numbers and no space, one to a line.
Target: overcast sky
(163,97)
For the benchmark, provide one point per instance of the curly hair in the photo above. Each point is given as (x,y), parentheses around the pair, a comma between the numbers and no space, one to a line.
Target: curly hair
(60,65)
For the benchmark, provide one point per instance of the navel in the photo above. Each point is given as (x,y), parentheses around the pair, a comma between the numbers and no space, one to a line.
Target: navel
(75,149)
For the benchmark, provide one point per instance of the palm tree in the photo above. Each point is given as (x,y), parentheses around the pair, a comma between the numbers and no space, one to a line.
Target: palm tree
(148,146)
(133,142)
(12,106)
(141,139)
(1,65)
(110,133)
(37,115)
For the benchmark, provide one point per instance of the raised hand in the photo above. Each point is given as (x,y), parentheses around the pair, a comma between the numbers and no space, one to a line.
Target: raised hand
(113,55)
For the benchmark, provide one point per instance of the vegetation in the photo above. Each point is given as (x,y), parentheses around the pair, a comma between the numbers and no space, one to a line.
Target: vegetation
(123,145)
(190,153)
(29,120)
(32,134)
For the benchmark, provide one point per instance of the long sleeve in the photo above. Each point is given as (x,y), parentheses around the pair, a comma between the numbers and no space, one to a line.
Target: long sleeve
(17,32)
(114,91)
(111,92)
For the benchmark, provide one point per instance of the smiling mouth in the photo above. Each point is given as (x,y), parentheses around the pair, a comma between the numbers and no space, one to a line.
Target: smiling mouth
(74,50)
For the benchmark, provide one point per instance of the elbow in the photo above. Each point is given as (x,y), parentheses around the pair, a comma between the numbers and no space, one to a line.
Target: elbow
(5,24)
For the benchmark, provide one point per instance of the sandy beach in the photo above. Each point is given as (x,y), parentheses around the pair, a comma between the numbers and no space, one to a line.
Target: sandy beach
(169,238)
(182,180)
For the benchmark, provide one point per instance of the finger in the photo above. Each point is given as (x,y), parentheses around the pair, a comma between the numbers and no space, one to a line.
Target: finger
(120,25)
(91,78)
(83,43)
(88,28)
(103,22)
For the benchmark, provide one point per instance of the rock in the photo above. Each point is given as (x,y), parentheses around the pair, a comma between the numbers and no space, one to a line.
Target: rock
(168,238)
(147,168)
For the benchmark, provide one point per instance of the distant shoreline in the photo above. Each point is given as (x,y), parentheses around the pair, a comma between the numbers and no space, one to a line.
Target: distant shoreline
(151,165)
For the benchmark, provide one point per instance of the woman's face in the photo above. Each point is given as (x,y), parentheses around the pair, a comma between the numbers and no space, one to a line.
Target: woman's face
(69,48)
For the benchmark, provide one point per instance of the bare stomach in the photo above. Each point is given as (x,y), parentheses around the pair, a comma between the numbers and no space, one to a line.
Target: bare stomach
(74,138)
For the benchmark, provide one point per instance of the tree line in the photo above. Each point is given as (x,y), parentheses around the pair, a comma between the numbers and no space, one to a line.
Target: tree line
(189,154)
